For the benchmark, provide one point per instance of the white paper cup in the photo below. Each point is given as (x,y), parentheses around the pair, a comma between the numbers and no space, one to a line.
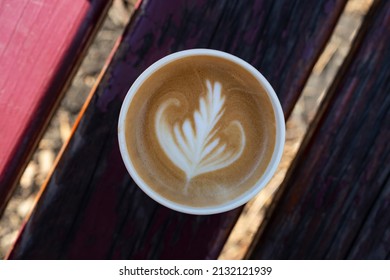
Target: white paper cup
(246,196)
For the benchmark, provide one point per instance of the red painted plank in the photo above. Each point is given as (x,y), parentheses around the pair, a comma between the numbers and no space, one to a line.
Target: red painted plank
(41,41)
(334,203)
(90,207)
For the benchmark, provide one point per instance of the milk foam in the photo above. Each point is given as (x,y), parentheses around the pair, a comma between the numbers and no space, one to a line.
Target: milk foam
(200,131)
(197,149)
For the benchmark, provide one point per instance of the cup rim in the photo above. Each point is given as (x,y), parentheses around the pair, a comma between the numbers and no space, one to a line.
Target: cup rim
(246,196)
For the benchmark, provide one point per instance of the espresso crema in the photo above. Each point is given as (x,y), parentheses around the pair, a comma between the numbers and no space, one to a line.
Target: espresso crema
(200,131)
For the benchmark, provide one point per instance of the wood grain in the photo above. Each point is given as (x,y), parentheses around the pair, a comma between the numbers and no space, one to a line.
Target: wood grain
(41,43)
(334,203)
(90,207)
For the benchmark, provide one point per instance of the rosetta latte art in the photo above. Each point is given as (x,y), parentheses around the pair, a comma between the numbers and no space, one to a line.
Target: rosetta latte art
(200,131)
(193,145)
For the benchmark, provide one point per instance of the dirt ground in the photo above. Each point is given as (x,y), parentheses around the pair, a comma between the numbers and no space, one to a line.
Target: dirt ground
(62,122)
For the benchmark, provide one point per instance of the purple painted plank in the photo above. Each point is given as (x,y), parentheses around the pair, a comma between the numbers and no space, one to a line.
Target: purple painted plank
(335,201)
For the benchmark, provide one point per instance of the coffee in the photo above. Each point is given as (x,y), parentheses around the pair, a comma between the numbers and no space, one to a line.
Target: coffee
(200,131)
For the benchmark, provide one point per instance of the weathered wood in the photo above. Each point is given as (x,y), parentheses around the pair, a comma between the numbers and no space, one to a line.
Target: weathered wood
(90,207)
(334,203)
(41,43)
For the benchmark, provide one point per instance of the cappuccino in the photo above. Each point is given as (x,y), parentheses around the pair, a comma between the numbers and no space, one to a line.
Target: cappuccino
(200,131)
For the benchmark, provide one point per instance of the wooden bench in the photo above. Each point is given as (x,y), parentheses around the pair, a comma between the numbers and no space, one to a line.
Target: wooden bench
(90,208)
(335,201)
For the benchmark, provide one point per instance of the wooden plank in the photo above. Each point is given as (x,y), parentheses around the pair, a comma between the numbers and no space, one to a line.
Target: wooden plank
(334,203)
(90,207)
(41,43)
(373,240)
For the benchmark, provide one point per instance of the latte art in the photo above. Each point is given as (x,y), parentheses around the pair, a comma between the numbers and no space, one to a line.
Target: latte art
(200,131)
(199,150)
